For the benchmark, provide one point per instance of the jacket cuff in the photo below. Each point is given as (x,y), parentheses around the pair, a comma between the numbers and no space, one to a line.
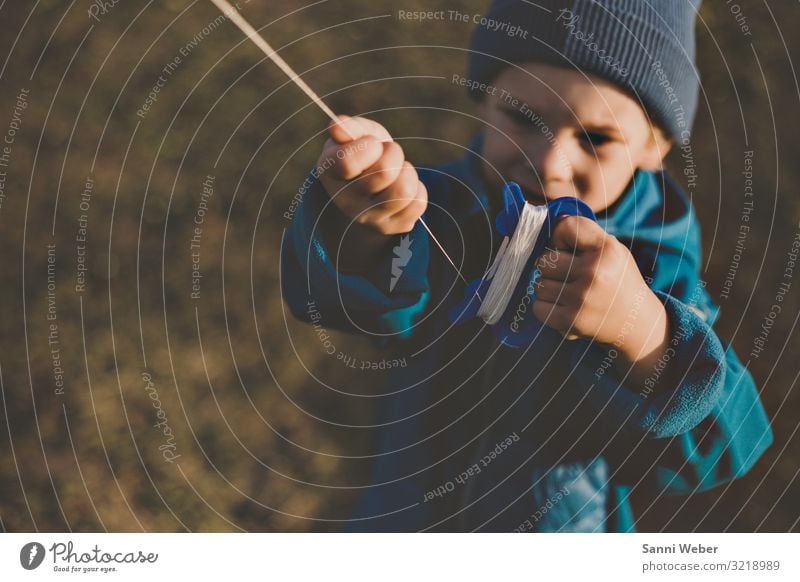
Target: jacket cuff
(398,281)
(682,390)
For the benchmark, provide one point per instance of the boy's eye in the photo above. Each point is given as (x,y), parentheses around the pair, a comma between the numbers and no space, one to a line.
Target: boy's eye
(595,138)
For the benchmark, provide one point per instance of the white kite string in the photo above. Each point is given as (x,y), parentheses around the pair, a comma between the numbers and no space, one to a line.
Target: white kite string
(510,261)
(259,41)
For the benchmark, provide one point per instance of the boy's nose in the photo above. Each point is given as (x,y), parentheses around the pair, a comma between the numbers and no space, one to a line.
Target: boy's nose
(550,161)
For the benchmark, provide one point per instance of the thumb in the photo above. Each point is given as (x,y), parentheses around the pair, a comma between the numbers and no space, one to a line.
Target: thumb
(346,129)
(577,233)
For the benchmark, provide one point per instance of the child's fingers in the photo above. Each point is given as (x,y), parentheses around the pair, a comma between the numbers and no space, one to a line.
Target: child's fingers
(405,219)
(383,173)
(349,160)
(578,233)
(553,291)
(395,210)
(402,191)
(347,129)
(558,265)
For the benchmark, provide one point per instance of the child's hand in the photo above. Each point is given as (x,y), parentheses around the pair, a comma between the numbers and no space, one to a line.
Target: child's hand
(368,178)
(590,287)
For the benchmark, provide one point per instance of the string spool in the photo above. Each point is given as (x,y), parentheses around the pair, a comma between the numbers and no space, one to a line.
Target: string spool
(510,262)
(526,229)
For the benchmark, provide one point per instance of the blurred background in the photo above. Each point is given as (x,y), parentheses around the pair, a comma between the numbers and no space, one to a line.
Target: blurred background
(151,377)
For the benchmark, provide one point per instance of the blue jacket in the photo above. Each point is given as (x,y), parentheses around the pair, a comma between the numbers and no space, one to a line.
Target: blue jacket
(479,436)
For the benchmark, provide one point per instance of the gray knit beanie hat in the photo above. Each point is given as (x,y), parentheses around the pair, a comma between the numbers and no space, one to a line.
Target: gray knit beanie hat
(646,47)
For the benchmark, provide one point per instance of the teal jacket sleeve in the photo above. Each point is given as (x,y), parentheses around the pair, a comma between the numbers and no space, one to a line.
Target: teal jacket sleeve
(697,422)
(386,301)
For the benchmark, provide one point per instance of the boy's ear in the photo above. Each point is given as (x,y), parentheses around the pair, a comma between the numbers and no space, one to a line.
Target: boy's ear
(653,154)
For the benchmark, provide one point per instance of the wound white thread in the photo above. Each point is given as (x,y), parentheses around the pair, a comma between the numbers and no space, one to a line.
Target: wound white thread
(510,261)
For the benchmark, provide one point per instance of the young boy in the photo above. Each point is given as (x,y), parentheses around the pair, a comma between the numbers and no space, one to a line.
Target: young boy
(626,386)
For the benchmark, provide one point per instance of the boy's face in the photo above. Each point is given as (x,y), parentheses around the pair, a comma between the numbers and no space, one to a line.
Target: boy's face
(566,135)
